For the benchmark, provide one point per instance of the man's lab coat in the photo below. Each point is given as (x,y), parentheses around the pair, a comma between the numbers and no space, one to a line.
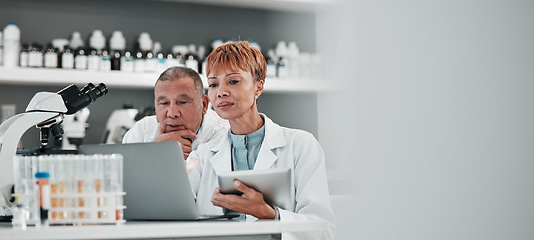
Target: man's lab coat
(281,148)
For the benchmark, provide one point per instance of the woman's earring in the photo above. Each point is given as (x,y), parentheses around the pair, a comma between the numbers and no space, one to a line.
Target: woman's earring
(256,97)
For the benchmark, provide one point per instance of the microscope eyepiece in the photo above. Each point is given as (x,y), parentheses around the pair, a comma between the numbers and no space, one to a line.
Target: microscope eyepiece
(96,92)
(77,99)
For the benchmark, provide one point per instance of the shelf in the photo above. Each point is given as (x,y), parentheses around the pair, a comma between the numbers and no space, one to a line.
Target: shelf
(129,80)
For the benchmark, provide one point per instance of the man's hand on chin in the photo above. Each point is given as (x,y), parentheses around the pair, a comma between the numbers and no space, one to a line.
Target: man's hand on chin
(185,137)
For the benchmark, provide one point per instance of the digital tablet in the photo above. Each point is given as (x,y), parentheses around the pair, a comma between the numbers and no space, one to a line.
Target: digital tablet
(274,184)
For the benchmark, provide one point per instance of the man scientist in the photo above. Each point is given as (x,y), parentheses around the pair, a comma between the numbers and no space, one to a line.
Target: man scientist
(182,113)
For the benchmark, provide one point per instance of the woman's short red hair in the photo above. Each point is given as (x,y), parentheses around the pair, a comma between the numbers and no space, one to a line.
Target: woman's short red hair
(238,55)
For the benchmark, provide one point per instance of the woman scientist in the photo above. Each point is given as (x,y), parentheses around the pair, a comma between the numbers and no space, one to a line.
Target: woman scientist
(236,75)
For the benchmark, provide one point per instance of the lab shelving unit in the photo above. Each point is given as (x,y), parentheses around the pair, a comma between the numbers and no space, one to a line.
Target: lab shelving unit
(131,80)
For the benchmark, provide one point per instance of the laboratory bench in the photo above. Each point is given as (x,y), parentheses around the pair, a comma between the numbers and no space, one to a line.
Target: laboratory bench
(214,229)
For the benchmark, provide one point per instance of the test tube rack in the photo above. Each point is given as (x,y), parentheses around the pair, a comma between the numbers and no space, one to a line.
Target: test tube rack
(84,190)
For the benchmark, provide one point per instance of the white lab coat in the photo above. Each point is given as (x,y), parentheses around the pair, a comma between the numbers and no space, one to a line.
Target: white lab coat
(281,148)
(146,129)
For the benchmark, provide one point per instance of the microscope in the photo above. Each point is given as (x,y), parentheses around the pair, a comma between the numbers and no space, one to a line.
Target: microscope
(45,111)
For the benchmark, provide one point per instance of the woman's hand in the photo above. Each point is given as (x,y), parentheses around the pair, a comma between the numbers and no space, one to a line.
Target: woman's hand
(250,202)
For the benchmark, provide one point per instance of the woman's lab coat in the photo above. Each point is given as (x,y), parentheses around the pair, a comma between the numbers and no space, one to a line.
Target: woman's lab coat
(281,148)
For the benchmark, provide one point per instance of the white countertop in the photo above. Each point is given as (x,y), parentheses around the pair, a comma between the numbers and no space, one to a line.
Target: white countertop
(174,229)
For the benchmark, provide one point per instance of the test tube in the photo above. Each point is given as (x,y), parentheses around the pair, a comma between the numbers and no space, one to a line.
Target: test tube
(99,181)
(54,186)
(43,188)
(35,215)
(113,182)
(23,190)
(89,185)
(44,195)
(80,185)
(62,181)
(71,166)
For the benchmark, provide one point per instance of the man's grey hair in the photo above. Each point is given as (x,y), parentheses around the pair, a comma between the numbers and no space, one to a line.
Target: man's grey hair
(178,72)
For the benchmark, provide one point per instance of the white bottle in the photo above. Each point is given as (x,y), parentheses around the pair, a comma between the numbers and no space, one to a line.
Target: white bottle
(67,58)
(156,48)
(293,59)
(24,55)
(117,45)
(271,64)
(145,42)
(117,41)
(192,63)
(151,62)
(255,44)
(127,62)
(11,45)
(282,65)
(139,62)
(50,57)
(93,59)
(162,62)
(216,43)
(80,59)
(105,61)
(145,45)
(97,40)
(76,41)
(35,56)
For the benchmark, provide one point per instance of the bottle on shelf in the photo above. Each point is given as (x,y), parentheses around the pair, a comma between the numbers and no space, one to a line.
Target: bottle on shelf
(105,61)
(271,64)
(11,44)
(98,43)
(80,59)
(305,68)
(144,45)
(161,64)
(127,62)
(139,61)
(67,58)
(179,51)
(117,44)
(60,44)
(171,61)
(216,43)
(202,59)
(50,57)
(153,58)
(93,59)
(282,64)
(192,63)
(24,55)
(293,59)
(35,57)
(151,62)
(76,41)
(191,58)
(255,44)
(281,68)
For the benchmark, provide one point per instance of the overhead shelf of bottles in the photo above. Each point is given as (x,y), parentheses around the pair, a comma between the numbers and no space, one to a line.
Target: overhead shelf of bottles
(129,80)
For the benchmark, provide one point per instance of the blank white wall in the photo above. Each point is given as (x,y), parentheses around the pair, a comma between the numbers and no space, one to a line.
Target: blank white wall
(437,118)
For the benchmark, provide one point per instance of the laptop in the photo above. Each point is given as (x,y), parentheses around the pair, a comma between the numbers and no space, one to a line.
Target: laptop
(155,181)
